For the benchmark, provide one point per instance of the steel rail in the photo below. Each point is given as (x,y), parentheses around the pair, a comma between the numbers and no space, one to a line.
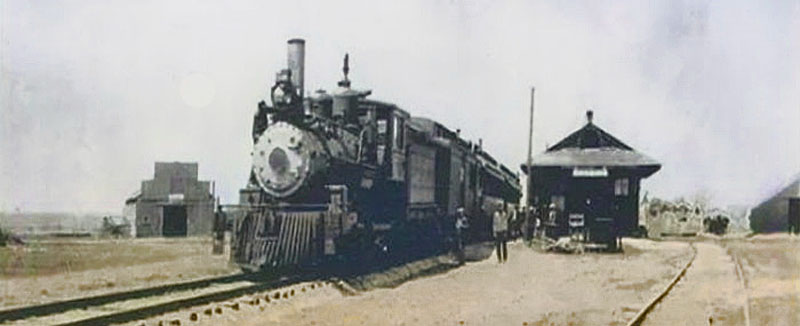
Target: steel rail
(740,274)
(175,305)
(642,314)
(57,307)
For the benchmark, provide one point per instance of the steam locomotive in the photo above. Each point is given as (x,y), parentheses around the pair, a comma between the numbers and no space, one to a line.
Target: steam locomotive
(340,177)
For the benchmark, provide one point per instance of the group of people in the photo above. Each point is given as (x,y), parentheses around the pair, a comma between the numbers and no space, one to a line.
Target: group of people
(529,223)
(537,219)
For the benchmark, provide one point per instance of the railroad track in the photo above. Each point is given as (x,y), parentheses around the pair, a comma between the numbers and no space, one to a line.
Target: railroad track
(140,304)
(740,275)
(642,314)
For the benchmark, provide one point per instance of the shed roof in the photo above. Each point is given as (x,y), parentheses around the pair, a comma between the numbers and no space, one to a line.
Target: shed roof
(134,197)
(603,156)
(790,190)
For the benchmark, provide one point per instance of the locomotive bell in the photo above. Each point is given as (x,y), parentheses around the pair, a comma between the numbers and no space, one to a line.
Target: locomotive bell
(345,99)
(282,159)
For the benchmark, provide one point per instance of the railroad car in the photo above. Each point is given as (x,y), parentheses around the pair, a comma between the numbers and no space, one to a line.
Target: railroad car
(665,218)
(341,177)
(681,218)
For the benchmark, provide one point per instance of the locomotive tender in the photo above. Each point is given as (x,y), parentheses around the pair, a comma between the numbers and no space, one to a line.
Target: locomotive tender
(339,176)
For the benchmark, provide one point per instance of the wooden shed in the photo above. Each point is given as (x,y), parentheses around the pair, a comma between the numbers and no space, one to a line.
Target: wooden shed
(779,212)
(592,180)
(172,204)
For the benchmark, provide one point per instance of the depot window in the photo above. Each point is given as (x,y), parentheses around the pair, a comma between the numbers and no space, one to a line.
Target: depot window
(621,187)
(397,128)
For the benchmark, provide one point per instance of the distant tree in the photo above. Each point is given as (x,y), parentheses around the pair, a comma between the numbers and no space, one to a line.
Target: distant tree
(702,198)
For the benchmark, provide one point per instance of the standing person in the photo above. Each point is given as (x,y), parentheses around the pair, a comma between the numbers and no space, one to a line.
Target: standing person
(531,223)
(527,224)
(462,224)
(552,219)
(537,215)
(552,214)
(500,228)
(220,221)
(513,224)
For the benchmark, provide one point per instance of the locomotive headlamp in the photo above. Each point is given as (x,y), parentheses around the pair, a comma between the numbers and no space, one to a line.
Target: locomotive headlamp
(279,161)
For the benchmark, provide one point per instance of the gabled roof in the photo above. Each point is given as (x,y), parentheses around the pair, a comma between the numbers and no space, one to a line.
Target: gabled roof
(590,136)
(591,146)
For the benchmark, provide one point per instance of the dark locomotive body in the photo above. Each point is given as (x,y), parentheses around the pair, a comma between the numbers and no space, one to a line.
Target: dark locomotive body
(339,177)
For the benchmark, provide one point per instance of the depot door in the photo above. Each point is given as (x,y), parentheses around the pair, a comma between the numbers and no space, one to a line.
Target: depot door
(591,201)
(174,221)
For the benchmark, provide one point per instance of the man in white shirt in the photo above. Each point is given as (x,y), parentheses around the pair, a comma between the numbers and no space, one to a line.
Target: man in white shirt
(500,227)
(462,224)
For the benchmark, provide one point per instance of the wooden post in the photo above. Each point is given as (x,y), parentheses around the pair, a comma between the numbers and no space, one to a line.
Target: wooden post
(529,187)
(529,181)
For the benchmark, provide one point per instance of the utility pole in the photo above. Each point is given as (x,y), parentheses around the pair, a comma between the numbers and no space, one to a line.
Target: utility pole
(529,187)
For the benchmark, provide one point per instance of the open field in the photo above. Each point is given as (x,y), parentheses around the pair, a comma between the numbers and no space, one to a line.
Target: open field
(49,270)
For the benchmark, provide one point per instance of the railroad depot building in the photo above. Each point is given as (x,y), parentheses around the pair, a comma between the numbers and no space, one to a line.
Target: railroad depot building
(592,179)
(780,212)
(173,204)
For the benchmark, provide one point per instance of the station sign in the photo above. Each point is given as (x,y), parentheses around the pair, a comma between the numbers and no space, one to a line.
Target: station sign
(175,198)
(589,172)
(576,220)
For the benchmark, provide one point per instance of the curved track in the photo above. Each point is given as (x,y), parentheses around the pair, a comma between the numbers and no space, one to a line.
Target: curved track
(642,314)
(713,291)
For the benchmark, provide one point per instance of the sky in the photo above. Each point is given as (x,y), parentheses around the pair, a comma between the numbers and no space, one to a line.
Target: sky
(93,92)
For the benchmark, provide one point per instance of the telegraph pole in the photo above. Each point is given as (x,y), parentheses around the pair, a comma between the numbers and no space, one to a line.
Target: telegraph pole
(529,187)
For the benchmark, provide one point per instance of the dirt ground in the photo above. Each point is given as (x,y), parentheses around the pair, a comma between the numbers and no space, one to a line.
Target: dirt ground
(50,270)
(532,288)
(771,267)
(709,293)
(765,290)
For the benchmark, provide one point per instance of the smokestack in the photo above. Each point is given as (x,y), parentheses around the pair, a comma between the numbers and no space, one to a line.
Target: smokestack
(589,116)
(296,62)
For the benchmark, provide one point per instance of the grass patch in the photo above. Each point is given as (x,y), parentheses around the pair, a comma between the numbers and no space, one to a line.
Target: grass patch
(40,258)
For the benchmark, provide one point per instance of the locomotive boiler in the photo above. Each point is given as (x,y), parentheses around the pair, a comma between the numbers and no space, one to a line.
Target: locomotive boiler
(340,177)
